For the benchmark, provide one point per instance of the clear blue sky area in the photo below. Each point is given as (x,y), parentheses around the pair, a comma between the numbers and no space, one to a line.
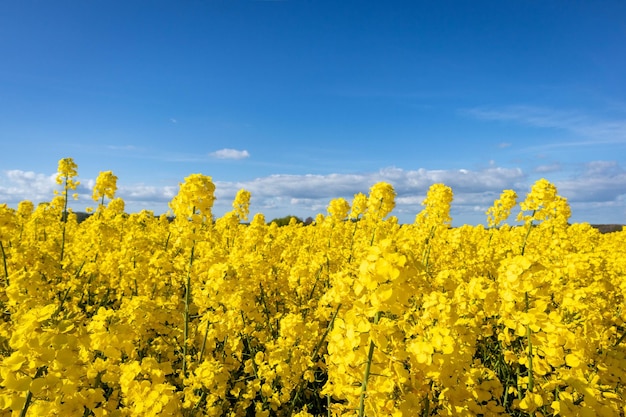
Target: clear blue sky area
(302,101)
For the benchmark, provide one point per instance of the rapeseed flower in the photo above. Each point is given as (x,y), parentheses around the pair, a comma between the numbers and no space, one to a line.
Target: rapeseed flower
(147,316)
(67,171)
(501,208)
(106,185)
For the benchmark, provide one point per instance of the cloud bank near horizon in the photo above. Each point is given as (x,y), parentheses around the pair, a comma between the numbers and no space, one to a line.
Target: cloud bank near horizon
(599,188)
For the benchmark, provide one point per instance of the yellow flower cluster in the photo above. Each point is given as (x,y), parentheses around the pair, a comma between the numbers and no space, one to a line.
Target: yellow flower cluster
(106,186)
(356,315)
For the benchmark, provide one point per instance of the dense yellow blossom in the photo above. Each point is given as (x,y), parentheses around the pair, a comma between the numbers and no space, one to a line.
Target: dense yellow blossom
(501,208)
(139,315)
(106,185)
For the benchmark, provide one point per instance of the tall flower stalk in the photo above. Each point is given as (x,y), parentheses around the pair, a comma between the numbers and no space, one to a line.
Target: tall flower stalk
(67,171)
(192,208)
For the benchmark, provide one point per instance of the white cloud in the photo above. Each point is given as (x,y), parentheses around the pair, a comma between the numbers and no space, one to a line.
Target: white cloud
(147,193)
(17,185)
(596,131)
(547,168)
(597,187)
(307,195)
(599,182)
(405,182)
(230,154)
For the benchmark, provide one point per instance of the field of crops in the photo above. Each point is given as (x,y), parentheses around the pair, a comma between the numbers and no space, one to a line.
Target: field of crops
(137,315)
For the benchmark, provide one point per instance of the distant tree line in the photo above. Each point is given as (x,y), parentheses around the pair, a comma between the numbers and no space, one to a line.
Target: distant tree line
(284,221)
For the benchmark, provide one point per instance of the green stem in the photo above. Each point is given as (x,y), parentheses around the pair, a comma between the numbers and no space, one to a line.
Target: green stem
(314,356)
(64,218)
(368,367)
(426,254)
(62,298)
(167,240)
(192,412)
(426,409)
(356,222)
(328,405)
(29,395)
(530,347)
(317,279)
(490,237)
(620,340)
(187,302)
(530,226)
(206,335)
(328,329)
(252,354)
(267,312)
(6,269)
(530,359)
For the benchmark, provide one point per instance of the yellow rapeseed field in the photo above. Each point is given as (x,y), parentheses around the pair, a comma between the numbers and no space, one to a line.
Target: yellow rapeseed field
(357,315)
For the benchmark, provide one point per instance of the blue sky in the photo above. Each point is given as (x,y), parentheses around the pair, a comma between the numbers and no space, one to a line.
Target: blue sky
(303,101)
